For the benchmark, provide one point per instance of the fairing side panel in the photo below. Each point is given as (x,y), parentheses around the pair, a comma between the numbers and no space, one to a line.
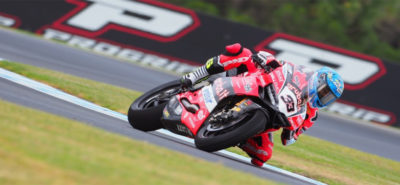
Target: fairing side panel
(193,121)
(208,97)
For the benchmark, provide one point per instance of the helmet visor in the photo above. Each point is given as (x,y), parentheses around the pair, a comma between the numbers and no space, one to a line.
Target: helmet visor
(325,94)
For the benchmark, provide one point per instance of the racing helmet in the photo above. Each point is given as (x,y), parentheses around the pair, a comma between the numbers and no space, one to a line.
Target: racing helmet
(325,86)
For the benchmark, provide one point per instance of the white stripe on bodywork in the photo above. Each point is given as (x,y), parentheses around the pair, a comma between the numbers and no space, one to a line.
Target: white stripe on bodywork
(16,78)
(208,97)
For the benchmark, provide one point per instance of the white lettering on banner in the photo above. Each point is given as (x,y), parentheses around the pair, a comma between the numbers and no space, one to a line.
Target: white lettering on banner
(117,51)
(131,14)
(353,70)
(56,35)
(131,54)
(5,21)
(154,61)
(366,115)
(81,42)
(107,49)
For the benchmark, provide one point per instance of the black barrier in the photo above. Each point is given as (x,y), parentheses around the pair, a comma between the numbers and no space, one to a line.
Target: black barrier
(179,39)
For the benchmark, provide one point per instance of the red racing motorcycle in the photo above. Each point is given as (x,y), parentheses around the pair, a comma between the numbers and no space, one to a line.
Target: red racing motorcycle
(218,113)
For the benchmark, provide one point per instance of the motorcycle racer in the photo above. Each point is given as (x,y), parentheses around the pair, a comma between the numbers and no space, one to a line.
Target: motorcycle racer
(313,90)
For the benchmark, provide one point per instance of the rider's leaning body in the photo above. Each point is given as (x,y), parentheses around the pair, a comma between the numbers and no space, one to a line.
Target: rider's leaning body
(306,88)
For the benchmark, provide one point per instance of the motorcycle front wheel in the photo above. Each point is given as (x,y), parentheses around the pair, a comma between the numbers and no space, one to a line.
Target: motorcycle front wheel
(146,111)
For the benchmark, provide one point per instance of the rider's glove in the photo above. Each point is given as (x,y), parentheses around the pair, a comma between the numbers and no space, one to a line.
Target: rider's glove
(266,60)
(259,59)
(259,148)
(288,137)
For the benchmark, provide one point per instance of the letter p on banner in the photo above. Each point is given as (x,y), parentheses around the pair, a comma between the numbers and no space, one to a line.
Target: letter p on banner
(146,18)
(357,70)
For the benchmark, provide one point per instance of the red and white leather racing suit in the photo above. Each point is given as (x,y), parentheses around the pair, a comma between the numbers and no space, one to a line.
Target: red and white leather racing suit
(285,75)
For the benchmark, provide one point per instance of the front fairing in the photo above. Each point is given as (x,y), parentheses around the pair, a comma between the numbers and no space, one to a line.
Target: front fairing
(171,118)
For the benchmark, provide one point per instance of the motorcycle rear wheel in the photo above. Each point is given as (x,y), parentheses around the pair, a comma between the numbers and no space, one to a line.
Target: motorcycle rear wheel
(146,111)
(252,124)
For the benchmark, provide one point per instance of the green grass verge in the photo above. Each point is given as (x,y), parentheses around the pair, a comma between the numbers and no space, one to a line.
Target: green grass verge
(40,148)
(112,97)
(312,157)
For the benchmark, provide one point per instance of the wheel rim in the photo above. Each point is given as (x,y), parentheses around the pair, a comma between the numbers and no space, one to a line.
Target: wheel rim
(160,97)
(215,129)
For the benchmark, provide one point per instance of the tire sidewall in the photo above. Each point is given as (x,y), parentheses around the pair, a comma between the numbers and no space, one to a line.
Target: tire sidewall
(148,119)
(253,126)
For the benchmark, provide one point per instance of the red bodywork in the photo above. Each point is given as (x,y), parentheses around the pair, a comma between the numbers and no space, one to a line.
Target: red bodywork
(209,96)
(290,97)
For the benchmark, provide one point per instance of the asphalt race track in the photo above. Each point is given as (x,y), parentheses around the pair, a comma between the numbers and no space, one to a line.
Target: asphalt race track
(46,54)
(38,52)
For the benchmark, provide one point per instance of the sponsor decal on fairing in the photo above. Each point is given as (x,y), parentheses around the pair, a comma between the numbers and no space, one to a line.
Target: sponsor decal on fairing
(247,83)
(178,110)
(209,98)
(200,115)
(219,89)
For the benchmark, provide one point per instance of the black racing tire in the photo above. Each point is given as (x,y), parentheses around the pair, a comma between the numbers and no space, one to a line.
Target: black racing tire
(253,124)
(147,117)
